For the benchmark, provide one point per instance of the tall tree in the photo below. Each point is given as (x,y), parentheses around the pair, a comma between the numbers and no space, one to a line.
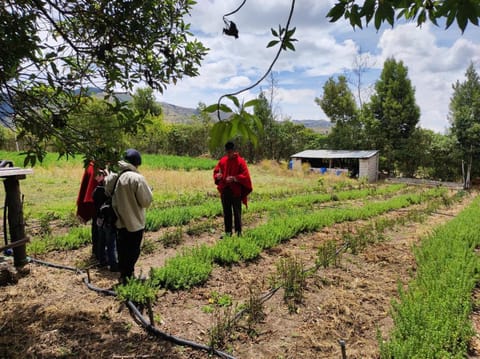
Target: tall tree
(395,112)
(53,52)
(465,120)
(99,120)
(145,103)
(338,103)
(267,136)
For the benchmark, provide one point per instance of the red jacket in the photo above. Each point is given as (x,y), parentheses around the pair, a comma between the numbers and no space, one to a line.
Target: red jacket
(85,205)
(236,167)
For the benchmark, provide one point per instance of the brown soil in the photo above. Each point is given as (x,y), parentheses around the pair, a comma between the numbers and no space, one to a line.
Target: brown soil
(50,313)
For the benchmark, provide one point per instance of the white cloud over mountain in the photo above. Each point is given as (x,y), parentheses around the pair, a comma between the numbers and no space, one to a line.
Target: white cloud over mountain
(436,58)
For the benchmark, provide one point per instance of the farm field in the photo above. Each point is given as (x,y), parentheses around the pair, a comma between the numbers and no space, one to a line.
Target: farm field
(327,257)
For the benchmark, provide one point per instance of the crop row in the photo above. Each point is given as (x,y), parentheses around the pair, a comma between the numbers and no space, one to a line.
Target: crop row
(431,318)
(193,266)
(181,215)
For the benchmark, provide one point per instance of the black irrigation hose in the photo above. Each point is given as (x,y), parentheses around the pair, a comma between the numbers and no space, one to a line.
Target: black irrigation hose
(138,315)
(153,330)
(53,265)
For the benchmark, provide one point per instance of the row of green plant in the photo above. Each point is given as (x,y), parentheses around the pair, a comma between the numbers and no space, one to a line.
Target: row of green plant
(77,237)
(291,274)
(265,194)
(432,317)
(175,216)
(171,162)
(355,240)
(193,266)
(148,160)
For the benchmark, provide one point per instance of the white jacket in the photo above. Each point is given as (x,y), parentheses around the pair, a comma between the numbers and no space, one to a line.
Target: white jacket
(131,197)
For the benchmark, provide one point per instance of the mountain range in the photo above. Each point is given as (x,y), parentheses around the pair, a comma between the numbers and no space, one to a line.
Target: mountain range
(177,114)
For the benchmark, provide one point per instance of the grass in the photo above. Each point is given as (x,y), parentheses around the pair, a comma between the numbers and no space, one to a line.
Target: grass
(54,184)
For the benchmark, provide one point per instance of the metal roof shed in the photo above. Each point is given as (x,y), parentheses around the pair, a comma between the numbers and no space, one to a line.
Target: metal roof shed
(363,163)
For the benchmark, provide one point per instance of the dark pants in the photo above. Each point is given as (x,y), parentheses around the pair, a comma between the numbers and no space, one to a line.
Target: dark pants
(107,245)
(94,233)
(229,203)
(128,249)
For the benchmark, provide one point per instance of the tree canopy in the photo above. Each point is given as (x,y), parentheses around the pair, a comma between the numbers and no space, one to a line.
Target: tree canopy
(338,103)
(394,111)
(361,12)
(54,52)
(465,118)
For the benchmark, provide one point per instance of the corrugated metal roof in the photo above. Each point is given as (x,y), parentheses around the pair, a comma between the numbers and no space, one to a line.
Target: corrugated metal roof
(334,154)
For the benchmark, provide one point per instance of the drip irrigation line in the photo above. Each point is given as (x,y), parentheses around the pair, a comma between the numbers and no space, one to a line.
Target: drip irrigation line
(153,330)
(99,290)
(53,265)
(134,311)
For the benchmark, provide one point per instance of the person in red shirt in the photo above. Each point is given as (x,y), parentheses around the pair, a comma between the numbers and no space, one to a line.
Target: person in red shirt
(233,181)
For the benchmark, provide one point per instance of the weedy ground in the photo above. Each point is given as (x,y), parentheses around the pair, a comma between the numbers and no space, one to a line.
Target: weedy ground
(50,313)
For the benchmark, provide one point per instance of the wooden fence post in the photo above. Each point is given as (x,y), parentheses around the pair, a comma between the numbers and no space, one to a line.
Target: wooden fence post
(16,221)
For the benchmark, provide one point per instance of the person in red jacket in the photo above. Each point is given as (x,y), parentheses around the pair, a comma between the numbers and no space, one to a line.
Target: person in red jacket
(85,206)
(233,181)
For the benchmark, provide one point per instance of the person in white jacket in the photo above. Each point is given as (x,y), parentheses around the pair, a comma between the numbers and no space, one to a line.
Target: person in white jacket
(131,197)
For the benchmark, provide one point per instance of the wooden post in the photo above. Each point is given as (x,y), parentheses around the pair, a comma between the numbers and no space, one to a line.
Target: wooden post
(15,218)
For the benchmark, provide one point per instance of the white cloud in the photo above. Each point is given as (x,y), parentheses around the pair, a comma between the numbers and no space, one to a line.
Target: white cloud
(435,58)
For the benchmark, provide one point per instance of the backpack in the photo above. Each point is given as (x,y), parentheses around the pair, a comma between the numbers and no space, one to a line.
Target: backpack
(106,215)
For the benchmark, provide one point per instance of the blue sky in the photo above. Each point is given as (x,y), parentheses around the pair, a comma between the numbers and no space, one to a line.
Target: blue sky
(436,58)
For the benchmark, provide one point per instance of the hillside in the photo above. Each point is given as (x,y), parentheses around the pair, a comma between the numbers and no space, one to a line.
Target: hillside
(177,114)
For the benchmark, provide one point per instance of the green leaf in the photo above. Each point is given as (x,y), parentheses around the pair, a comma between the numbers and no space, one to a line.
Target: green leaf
(272,43)
(274,33)
(234,99)
(290,32)
(378,19)
(251,103)
(450,19)
(290,46)
(213,108)
(336,12)
(225,108)
(216,134)
(462,20)
(368,10)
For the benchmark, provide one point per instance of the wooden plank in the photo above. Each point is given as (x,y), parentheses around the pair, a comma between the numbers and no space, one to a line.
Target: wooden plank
(15,171)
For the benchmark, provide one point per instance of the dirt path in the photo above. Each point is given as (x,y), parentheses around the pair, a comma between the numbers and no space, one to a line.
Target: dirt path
(51,314)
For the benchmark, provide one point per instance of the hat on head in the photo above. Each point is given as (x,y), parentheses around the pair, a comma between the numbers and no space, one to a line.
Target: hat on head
(133,156)
(229,146)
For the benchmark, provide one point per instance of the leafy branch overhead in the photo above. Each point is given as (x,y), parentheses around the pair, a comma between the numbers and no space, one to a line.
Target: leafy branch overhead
(56,52)
(240,123)
(223,130)
(361,13)
(284,37)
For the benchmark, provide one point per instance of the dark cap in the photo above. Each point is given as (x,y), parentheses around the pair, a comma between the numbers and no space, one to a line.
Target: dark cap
(229,146)
(133,156)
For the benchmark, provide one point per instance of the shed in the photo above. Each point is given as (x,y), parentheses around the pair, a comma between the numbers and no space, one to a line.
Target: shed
(354,163)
